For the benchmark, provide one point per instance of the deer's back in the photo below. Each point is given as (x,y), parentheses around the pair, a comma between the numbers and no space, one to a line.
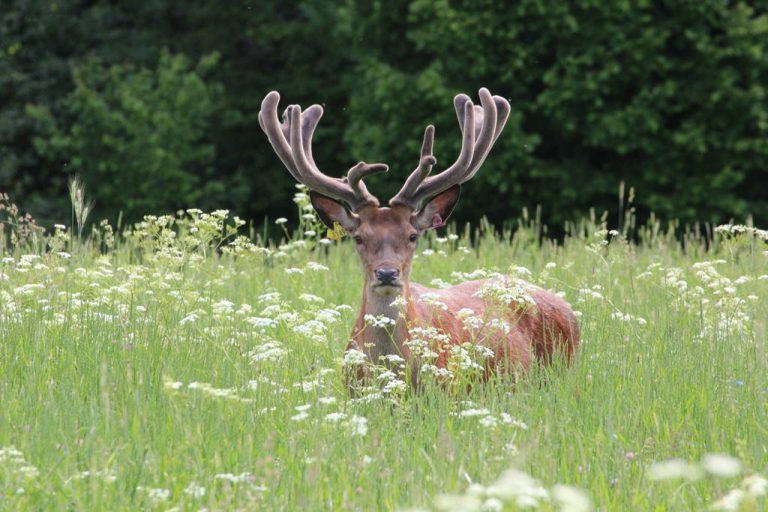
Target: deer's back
(546,327)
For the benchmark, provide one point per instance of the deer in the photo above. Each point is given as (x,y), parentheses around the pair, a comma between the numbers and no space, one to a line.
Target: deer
(540,327)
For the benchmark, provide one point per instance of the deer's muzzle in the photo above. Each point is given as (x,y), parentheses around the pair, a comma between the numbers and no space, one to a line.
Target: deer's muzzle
(387,276)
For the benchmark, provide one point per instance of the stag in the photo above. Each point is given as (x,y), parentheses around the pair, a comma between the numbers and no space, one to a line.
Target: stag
(539,327)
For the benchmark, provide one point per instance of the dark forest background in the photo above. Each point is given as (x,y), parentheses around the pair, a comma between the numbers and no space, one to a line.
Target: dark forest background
(154,103)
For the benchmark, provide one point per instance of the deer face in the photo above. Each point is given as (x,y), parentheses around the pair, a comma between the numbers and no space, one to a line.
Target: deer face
(386,238)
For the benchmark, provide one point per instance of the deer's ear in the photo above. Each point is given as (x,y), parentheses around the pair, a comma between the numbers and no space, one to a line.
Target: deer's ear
(438,209)
(331,211)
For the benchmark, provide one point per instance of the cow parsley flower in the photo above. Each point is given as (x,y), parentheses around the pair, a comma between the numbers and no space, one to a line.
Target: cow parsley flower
(571,499)
(723,466)
(358,425)
(195,490)
(380,321)
(353,357)
(674,469)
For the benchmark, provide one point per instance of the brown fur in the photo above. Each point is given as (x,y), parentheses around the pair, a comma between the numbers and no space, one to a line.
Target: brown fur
(543,331)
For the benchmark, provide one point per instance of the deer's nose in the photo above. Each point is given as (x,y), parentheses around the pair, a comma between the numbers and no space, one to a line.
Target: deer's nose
(387,275)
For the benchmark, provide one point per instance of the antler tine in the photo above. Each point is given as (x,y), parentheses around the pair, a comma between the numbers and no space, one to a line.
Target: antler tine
(504,109)
(311,175)
(292,141)
(276,132)
(309,120)
(424,186)
(355,179)
(486,121)
(480,127)
(426,161)
(498,109)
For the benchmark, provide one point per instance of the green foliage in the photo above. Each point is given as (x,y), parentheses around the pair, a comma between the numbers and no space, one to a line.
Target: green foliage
(138,136)
(666,97)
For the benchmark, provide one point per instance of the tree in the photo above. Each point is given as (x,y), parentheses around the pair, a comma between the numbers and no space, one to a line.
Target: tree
(139,136)
(666,96)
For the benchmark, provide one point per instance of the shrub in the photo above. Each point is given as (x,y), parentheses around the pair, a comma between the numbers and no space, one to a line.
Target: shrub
(138,136)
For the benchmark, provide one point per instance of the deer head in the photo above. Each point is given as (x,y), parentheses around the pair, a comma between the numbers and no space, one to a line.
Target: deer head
(385,236)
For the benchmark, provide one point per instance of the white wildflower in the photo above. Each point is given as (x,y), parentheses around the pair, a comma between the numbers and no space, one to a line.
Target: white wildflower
(192,317)
(353,357)
(433,300)
(358,425)
(308,297)
(261,322)
(439,283)
(335,417)
(457,503)
(755,485)
(195,490)
(673,469)
(464,313)
(267,351)
(489,421)
(505,292)
(731,502)
(393,359)
(235,479)
(510,420)
(398,302)
(468,413)
(571,499)
(174,385)
(158,495)
(519,488)
(380,321)
(317,267)
(723,466)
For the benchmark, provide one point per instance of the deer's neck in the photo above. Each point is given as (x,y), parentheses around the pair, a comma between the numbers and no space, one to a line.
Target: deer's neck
(382,340)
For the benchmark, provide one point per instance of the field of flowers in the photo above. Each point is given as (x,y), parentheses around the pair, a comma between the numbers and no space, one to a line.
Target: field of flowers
(185,364)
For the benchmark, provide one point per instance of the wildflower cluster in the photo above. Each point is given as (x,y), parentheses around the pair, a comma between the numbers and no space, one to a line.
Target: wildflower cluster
(748,494)
(16,474)
(516,489)
(737,230)
(505,291)
(221,359)
(186,238)
(723,304)
(487,419)
(425,344)
(384,379)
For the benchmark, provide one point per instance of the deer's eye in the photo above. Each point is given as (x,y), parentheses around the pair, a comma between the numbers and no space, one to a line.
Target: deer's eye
(413,237)
(358,239)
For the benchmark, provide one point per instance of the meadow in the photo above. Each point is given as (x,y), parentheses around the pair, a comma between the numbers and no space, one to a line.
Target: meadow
(187,363)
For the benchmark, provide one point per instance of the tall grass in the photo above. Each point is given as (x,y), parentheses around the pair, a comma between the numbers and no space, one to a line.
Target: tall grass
(179,365)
